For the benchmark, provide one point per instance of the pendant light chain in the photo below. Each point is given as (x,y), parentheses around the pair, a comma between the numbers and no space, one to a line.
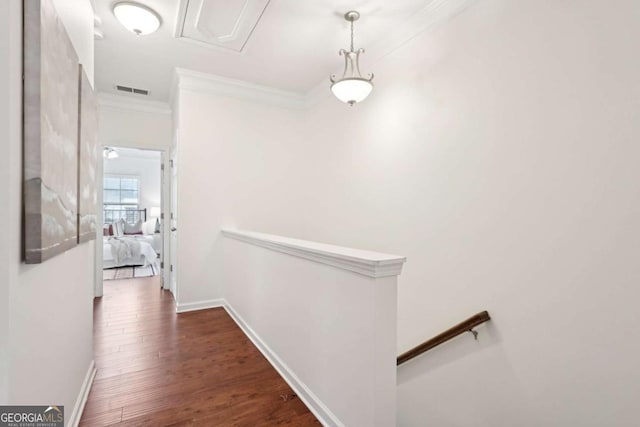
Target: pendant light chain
(352,50)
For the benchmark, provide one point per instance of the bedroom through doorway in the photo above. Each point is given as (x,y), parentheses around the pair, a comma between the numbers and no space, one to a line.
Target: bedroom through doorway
(133,242)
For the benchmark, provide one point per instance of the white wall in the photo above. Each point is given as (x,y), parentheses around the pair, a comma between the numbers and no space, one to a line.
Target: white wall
(9,67)
(80,29)
(232,173)
(499,153)
(314,319)
(146,169)
(99,274)
(128,122)
(49,305)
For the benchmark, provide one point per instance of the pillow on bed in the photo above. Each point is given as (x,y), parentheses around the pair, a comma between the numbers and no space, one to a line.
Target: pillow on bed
(107,230)
(148,227)
(133,228)
(118,228)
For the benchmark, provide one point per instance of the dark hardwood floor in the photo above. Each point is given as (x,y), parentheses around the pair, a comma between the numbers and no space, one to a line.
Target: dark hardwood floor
(159,368)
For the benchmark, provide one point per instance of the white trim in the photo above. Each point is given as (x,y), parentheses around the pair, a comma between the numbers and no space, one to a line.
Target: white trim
(126,103)
(179,28)
(74,419)
(181,11)
(367,263)
(436,12)
(199,305)
(313,402)
(208,83)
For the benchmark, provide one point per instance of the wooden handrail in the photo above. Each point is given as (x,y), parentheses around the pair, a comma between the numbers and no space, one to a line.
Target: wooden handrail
(460,328)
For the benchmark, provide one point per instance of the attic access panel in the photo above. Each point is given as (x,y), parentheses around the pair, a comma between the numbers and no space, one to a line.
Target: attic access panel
(226,24)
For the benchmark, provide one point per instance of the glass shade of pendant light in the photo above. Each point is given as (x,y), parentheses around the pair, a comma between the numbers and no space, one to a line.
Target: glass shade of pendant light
(137,18)
(351,87)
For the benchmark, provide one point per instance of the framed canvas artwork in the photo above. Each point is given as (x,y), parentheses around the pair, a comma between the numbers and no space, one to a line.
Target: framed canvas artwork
(88,161)
(51,94)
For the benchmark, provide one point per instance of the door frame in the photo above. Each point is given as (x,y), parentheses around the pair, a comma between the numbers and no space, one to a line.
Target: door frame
(165,155)
(172,271)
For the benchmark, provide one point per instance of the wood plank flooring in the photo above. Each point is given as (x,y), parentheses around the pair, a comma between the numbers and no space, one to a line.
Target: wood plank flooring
(158,368)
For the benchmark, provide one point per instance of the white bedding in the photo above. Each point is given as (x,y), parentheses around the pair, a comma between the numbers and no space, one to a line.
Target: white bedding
(127,250)
(152,239)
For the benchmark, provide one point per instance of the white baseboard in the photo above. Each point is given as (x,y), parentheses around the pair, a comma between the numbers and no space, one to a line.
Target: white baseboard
(74,419)
(199,305)
(315,405)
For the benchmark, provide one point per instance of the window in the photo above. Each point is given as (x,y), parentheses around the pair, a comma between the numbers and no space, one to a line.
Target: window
(121,198)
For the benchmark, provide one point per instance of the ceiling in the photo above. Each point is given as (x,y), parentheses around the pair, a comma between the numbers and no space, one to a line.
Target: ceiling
(285,44)
(134,153)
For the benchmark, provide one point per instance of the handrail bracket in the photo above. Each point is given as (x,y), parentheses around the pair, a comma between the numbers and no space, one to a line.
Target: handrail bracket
(459,329)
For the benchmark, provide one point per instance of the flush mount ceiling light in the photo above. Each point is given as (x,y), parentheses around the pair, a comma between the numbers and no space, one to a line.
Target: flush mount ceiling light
(351,87)
(109,153)
(136,17)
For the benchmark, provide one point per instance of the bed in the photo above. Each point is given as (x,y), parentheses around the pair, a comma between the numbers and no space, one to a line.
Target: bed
(126,251)
(129,243)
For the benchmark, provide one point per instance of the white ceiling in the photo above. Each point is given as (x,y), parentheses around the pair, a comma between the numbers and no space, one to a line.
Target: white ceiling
(134,153)
(294,45)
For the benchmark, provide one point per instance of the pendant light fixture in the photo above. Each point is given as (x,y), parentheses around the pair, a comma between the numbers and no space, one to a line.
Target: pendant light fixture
(137,18)
(351,87)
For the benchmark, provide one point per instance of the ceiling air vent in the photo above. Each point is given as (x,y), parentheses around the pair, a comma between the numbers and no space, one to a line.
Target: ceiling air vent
(132,90)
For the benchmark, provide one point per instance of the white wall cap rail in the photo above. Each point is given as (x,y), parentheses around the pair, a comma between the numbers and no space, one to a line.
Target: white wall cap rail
(368,263)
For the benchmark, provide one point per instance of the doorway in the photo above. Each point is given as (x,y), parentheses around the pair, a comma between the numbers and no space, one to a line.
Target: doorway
(134,196)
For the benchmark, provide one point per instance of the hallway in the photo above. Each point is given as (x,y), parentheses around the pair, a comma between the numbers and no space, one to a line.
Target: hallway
(157,368)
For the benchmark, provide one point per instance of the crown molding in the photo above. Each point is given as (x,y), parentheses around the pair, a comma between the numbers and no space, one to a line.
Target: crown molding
(125,103)
(367,263)
(430,17)
(196,81)
(436,13)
